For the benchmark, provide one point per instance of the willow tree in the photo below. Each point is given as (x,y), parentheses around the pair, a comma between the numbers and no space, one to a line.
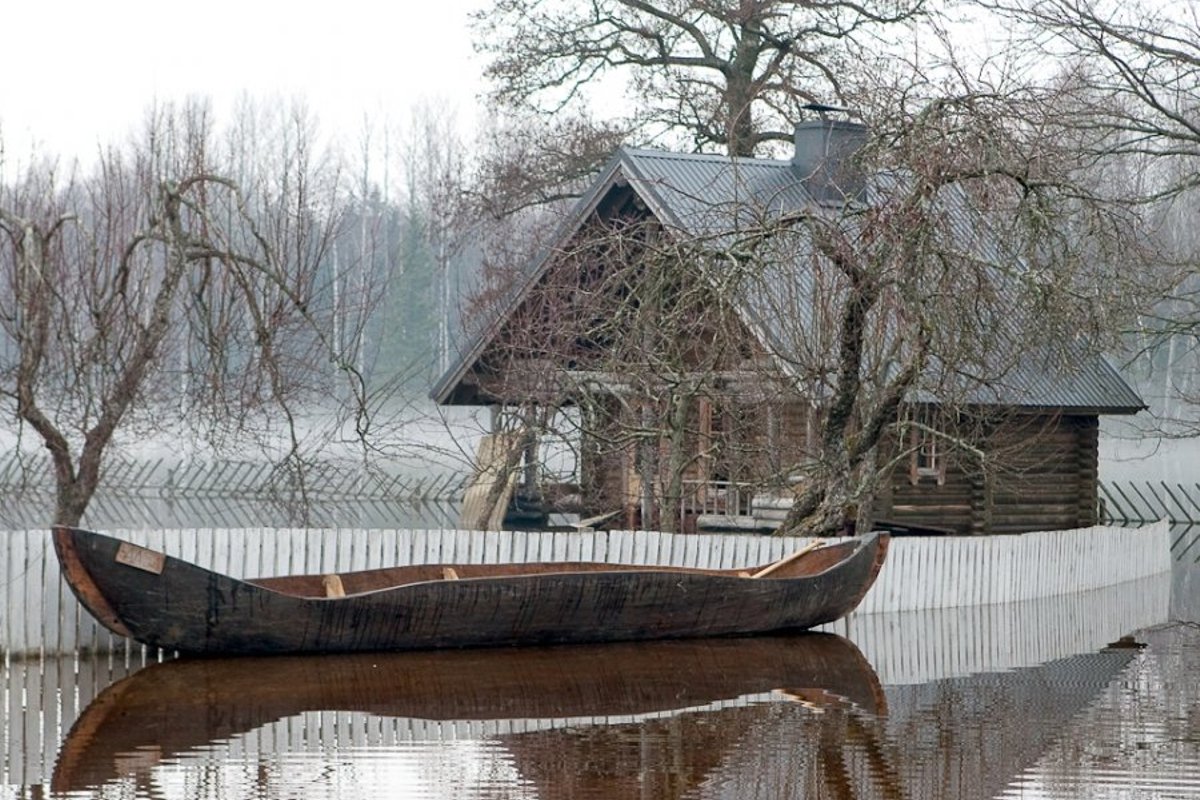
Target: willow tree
(1133,69)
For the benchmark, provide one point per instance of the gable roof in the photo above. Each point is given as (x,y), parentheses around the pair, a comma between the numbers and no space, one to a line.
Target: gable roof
(711,197)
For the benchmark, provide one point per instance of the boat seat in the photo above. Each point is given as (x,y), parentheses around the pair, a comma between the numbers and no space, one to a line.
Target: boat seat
(333,585)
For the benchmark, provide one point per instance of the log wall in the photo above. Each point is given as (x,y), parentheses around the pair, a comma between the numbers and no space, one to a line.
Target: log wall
(1044,476)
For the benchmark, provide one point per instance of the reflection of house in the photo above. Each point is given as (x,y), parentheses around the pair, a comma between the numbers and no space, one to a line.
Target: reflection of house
(738,440)
(963,738)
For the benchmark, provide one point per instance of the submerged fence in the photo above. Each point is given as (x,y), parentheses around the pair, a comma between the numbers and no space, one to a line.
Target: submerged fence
(205,484)
(42,617)
(237,494)
(1122,502)
(1134,502)
(22,473)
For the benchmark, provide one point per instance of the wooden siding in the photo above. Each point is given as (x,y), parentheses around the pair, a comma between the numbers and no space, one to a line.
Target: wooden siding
(41,615)
(1043,484)
(1042,473)
(731,441)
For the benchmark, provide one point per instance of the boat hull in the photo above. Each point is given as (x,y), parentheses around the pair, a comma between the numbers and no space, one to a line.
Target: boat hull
(186,707)
(172,604)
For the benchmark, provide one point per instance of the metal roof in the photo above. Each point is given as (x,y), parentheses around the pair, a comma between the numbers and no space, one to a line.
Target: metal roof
(712,199)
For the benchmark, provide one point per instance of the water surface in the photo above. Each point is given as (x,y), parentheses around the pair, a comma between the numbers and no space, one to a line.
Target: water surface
(802,716)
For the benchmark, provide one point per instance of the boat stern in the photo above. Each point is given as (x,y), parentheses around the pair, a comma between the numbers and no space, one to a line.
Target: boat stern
(68,545)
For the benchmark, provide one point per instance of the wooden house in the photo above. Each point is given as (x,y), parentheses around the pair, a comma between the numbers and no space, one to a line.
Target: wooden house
(733,453)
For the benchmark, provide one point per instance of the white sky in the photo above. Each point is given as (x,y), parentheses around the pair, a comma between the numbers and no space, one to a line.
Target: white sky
(76,73)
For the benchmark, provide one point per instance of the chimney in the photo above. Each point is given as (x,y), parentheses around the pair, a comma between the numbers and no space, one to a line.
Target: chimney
(826,158)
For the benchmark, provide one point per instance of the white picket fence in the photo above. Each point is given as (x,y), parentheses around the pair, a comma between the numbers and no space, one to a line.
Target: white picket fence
(41,616)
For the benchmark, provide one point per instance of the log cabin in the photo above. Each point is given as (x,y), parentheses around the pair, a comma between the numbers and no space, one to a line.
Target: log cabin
(707,418)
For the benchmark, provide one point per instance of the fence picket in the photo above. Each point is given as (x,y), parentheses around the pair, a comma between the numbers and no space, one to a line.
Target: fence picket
(52,610)
(19,557)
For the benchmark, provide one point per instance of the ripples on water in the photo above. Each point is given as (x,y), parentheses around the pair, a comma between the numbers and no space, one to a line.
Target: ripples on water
(802,717)
(1140,736)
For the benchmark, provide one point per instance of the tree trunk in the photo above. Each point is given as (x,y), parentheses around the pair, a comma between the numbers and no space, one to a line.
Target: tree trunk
(739,96)
(671,515)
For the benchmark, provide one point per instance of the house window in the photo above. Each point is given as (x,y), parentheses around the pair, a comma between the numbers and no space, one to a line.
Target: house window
(928,458)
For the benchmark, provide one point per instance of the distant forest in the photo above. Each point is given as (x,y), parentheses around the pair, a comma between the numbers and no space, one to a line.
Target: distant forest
(408,340)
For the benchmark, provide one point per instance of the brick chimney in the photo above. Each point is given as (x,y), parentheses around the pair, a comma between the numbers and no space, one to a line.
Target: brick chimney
(825,158)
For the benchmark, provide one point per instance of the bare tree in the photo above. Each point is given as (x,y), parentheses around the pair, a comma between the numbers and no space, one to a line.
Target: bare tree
(1136,64)
(994,230)
(526,162)
(731,75)
(154,265)
(1133,71)
(625,327)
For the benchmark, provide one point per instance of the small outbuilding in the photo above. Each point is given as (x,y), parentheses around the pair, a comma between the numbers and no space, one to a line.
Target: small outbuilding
(1018,452)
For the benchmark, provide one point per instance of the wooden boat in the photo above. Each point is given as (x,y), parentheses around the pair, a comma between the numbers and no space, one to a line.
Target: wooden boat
(168,603)
(167,711)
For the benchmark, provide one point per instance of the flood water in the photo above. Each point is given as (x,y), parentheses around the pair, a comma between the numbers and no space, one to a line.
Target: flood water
(916,706)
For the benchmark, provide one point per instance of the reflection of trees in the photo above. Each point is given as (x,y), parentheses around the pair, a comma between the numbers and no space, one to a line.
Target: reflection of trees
(1143,727)
(970,737)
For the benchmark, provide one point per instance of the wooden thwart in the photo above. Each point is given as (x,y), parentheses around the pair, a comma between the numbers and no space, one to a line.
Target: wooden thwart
(783,562)
(333,585)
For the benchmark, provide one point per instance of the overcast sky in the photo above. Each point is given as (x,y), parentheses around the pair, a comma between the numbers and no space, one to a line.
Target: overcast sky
(75,73)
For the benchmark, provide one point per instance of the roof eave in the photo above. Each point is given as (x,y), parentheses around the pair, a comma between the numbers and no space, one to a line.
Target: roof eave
(610,176)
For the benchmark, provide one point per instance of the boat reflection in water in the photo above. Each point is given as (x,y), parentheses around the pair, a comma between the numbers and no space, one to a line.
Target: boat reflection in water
(565,716)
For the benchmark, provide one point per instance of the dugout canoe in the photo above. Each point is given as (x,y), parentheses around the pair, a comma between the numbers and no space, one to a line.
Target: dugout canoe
(188,707)
(172,604)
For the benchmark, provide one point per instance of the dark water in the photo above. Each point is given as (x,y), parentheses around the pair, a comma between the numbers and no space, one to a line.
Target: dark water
(789,717)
